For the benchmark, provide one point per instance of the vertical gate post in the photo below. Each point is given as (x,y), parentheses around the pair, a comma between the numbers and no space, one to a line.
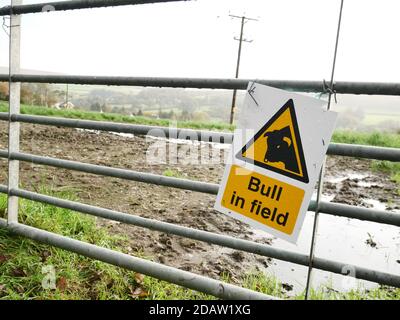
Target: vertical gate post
(14,108)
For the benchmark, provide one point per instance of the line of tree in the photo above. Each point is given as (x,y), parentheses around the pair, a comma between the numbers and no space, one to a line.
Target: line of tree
(197,105)
(33,94)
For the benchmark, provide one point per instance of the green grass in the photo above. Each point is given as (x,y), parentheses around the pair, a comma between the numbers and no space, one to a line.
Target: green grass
(259,281)
(114,117)
(77,277)
(380,139)
(172,173)
(327,293)
(344,136)
(391,168)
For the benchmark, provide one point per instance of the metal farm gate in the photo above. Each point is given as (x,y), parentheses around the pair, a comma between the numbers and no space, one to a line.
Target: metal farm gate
(160,271)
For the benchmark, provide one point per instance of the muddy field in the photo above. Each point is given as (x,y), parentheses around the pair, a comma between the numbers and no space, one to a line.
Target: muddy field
(182,207)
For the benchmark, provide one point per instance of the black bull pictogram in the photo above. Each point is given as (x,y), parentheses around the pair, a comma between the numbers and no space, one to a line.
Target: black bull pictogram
(280,148)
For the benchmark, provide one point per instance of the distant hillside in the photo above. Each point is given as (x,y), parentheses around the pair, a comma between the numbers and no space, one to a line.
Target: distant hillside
(4,70)
(371,104)
(356,112)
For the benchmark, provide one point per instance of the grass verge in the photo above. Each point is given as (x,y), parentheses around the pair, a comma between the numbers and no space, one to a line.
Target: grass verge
(173,173)
(379,139)
(76,277)
(391,168)
(114,117)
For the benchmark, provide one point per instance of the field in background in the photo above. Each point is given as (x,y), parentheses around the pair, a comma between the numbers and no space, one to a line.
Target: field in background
(377,138)
(97,116)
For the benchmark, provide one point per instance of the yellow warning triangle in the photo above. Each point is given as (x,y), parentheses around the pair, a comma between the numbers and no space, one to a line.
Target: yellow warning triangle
(277,145)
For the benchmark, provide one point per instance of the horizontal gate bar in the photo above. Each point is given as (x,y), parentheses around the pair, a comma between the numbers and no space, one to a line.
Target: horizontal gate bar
(154,131)
(350,150)
(73,5)
(183,278)
(342,210)
(353,212)
(363,151)
(117,173)
(375,88)
(209,237)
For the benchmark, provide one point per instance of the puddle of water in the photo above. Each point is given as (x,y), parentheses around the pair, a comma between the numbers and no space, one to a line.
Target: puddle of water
(340,239)
(88,130)
(216,145)
(121,134)
(364,184)
(375,204)
(324,197)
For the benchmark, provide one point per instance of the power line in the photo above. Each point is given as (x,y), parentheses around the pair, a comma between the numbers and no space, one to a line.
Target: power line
(243,19)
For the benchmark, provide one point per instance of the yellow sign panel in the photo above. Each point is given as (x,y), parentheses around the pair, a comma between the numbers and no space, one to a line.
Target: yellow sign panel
(277,146)
(268,201)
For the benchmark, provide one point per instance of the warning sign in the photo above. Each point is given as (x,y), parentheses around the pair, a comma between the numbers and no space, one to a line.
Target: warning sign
(277,145)
(275,160)
(266,200)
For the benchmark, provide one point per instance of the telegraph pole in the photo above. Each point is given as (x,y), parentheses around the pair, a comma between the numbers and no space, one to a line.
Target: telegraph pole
(241,39)
(66,97)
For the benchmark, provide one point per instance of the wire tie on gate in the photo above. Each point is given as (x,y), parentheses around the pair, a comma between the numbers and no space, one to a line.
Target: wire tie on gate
(329,89)
(251,92)
(5,26)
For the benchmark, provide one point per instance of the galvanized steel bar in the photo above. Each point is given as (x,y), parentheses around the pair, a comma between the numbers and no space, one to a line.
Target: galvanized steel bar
(119,173)
(367,152)
(154,131)
(186,279)
(350,150)
(73,5)
(337,209)
(14,108)
(205,236)
(167,82)
(209,237)
(353,212)
(371,88)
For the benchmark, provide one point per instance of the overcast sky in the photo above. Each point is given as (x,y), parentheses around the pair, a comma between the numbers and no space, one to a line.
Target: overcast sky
(293,39)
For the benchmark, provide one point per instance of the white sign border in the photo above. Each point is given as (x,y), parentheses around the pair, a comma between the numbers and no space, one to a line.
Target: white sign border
(313,167)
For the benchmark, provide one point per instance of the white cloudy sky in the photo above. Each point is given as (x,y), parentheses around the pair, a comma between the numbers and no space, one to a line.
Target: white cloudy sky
(293,39)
